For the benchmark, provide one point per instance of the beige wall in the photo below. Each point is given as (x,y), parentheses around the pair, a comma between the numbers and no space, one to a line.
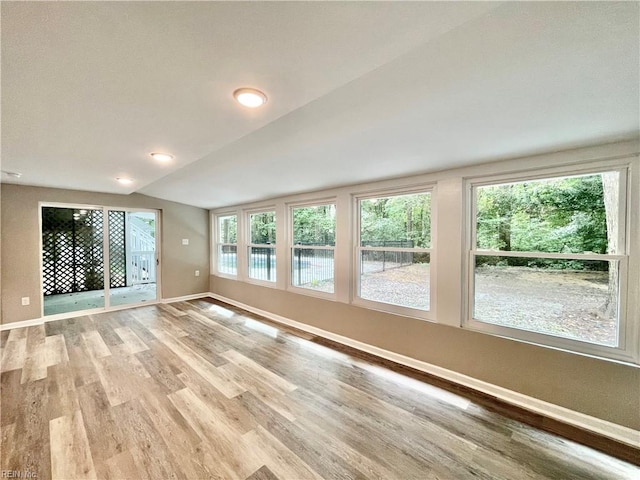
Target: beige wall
(21,250)
(601,388)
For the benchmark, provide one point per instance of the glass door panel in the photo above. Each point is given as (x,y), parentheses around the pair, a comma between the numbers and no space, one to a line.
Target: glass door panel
(132,257)
(72,259)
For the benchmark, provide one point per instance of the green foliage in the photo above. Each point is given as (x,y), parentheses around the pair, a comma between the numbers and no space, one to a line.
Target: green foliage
(151,226)
(263,228)
(228,229)
(560,215)
(401,219)
(314,225)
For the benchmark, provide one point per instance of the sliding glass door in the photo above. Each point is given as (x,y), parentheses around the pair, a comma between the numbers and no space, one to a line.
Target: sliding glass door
(96,258)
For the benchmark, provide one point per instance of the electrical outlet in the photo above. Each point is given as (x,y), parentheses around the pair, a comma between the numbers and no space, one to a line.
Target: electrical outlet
(185,241)
(197,273)
(26,301)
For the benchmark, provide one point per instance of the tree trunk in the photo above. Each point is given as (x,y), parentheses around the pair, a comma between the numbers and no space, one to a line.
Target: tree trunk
(610,187)
(409,224)
(504,236)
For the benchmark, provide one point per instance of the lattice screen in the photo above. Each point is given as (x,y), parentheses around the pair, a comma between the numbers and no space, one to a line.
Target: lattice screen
(117,250)
(72,257)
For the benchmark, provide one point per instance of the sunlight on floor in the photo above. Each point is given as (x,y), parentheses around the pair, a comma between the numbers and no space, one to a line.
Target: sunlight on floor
(434,392)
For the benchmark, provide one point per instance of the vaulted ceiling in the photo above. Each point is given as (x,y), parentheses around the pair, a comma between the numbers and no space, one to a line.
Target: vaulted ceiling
(357,90)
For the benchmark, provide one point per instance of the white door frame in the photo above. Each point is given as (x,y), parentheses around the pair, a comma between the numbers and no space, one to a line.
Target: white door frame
(105,248)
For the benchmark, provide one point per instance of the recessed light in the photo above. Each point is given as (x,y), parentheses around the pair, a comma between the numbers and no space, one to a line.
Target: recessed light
(162,157)
(250,97)
(12,174)
(124,181)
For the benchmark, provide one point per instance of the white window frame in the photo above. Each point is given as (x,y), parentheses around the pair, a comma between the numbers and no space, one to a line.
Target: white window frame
(626,350)
(248,245)
(290,251)
(358,249)
(217,244)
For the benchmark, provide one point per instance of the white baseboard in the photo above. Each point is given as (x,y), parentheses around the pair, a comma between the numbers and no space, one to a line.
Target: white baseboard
(607,429)
(184,298)
(22,324)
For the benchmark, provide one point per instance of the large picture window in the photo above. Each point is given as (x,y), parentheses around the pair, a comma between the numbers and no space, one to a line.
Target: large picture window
(394,250)
(227,240)
(548,257)
(313,245)
(262,246)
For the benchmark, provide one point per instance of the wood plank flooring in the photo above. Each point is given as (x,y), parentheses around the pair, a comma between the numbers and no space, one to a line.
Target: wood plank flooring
(198,390)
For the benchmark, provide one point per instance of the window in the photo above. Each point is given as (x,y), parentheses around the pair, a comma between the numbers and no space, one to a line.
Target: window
(262,246)
(394,251)
(227,236)
(313,245)
(548,258)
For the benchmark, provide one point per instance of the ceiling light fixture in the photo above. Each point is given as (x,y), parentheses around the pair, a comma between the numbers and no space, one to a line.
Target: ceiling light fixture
(250,97)
(162,157)
(124,181)
(12,174)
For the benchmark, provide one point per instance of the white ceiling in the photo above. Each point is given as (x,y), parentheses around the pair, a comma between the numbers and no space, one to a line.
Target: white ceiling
(357,91)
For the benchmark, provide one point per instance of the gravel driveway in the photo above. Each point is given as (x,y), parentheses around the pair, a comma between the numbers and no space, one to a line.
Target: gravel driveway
(565,303)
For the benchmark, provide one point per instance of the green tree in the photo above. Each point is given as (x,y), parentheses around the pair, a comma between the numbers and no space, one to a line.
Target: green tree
(314,225)
(263,228)
(396,221)
(560,215)
(228,229)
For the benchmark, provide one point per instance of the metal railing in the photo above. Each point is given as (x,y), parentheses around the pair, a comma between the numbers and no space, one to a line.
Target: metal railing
(262,263)
(228,259)
(312,267)
(380,259)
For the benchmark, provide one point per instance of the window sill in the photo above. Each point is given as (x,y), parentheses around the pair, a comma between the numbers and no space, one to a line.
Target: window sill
(225,275)
(261,283)
(567,345)
(312,293)
(425,315)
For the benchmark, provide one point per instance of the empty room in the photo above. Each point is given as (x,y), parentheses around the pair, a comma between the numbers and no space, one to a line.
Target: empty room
(320,240)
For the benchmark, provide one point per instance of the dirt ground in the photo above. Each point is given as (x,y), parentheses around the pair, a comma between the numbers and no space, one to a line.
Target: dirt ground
(407,286)
(564,303)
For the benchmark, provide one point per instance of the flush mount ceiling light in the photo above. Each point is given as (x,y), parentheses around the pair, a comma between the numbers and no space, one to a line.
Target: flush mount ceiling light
(11,174)
(250,97)
(161,157)
(124,180)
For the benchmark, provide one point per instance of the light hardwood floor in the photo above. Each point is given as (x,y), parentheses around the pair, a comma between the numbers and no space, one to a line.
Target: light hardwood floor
(201,390)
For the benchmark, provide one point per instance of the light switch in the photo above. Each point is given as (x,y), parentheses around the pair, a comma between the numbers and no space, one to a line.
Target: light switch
(25,301)
(185,241)
(197,273)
